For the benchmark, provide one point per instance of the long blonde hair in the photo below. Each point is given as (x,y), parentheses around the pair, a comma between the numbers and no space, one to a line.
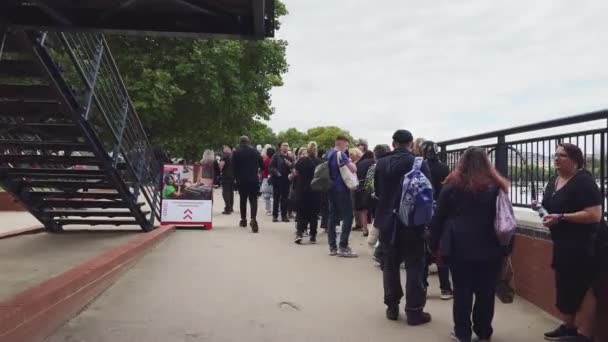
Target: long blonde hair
(416,149)
(208,157)
(312,149)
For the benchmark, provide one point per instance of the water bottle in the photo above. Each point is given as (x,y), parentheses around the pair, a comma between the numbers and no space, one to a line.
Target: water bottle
(542,212)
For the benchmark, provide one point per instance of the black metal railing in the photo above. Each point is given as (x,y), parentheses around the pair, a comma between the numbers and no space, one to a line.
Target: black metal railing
(87,66)
(525,154)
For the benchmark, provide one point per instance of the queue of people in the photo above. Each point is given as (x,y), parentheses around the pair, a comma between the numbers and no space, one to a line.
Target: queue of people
(461,236)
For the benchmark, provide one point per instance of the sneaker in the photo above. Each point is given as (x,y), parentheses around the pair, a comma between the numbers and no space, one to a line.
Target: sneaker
(275,219)
(446,294)
(298,238)
(254,226)
(455,338)
(285,219)
(313,239)
(346,253)
(418,318)
(562,333)
(333,251)
(243,224)
(392,312)
(226,212)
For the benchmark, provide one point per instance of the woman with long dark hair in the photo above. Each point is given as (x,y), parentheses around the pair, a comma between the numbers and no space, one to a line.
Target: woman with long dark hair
(463,233)
(574,203)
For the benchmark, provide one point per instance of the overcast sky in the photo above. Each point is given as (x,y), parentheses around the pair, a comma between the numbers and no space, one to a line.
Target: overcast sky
(442,69)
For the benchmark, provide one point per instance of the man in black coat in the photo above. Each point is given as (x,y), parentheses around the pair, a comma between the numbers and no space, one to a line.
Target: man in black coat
(400,243)
(247,163)
(280,167)
(439,172)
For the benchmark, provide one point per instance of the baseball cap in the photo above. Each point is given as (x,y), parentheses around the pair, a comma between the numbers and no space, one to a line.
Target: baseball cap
(403,136)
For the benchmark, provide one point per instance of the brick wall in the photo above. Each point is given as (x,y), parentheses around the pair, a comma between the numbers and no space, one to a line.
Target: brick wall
(534,281)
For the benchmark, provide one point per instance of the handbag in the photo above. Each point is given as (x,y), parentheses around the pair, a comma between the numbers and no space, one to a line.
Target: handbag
(350,179)
(504,222)
(505,291)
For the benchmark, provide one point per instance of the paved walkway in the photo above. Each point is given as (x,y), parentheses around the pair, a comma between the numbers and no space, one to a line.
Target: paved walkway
(231,285)
(15,220)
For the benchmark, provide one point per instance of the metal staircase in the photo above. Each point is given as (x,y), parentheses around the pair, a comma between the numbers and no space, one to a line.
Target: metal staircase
(72,148)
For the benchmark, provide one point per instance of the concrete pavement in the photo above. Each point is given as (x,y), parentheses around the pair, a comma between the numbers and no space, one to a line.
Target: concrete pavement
(231,285)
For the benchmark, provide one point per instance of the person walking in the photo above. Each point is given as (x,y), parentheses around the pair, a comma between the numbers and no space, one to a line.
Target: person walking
(227,171)
(247,163)
(362,198)
(267,187)
(574,203)
(463,232)
(439,172)
(307,200)
(340,202)
(280,168)
(380,151)
(399,243)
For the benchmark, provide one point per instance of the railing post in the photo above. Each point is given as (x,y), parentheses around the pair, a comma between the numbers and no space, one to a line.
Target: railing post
(501,159)
(443,153)
(121,133)
(100,48)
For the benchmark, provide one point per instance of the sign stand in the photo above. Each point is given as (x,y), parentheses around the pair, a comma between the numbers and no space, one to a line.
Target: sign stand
(187,198)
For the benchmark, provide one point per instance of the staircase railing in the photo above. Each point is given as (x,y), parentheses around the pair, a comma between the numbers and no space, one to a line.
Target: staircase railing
(89,69)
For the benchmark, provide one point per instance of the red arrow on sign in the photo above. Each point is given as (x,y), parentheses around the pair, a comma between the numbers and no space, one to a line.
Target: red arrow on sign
(187,211)
(188,217)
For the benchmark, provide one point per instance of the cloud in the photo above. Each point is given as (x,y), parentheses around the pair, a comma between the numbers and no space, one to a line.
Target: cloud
(442,69)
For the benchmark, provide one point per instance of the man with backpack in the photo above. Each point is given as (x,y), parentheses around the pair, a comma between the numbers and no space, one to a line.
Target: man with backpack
(402,227)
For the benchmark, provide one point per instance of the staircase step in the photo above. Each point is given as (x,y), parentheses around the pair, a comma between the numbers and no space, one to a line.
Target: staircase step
(90,213)
(35,92)
(19,69)
(46,160)
(46,145)
(76,204)
(90,222)
(30,109)
(41,195)
(17,43)
(51,173)
(47,129)
(66,184)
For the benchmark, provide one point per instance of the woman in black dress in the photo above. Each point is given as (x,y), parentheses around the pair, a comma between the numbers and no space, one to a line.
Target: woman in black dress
(307,200)
(574,203)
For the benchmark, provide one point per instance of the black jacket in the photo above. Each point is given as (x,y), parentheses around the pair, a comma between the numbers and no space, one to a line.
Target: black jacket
(278,166)
(390,170)
(439,172)
(247,163)
(469,221)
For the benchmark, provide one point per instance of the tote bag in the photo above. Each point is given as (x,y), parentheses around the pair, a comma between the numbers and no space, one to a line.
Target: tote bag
(349,178)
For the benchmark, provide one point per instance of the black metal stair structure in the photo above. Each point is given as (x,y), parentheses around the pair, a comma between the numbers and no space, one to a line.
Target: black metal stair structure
(72,148)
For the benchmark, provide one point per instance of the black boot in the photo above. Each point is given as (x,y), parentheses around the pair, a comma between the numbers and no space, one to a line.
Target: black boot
(417,317)
(243,223)
(254,226)
(392,312)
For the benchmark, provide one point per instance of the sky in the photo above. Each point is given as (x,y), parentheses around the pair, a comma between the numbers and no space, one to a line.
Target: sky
(442,69)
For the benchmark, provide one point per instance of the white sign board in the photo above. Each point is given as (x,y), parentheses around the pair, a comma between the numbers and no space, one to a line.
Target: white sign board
(187,197)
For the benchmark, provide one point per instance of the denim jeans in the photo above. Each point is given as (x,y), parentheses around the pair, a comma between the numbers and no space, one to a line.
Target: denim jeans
(340,209)
(408,247)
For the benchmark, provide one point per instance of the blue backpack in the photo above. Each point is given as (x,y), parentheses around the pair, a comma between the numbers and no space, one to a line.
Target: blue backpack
(416,204)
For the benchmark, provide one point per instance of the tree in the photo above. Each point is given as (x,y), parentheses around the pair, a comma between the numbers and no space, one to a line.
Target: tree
(260,133)
(294,137)
(325,136)
(196,94)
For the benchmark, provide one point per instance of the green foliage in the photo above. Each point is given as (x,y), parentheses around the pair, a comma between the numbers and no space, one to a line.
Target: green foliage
(196,94)
(294,137)
(261,134)
(326,136)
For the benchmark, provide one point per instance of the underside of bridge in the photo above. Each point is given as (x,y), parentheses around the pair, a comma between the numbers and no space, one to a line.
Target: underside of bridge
(250,19)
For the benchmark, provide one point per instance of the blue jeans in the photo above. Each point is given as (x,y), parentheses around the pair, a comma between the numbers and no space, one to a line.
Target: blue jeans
(340,209)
